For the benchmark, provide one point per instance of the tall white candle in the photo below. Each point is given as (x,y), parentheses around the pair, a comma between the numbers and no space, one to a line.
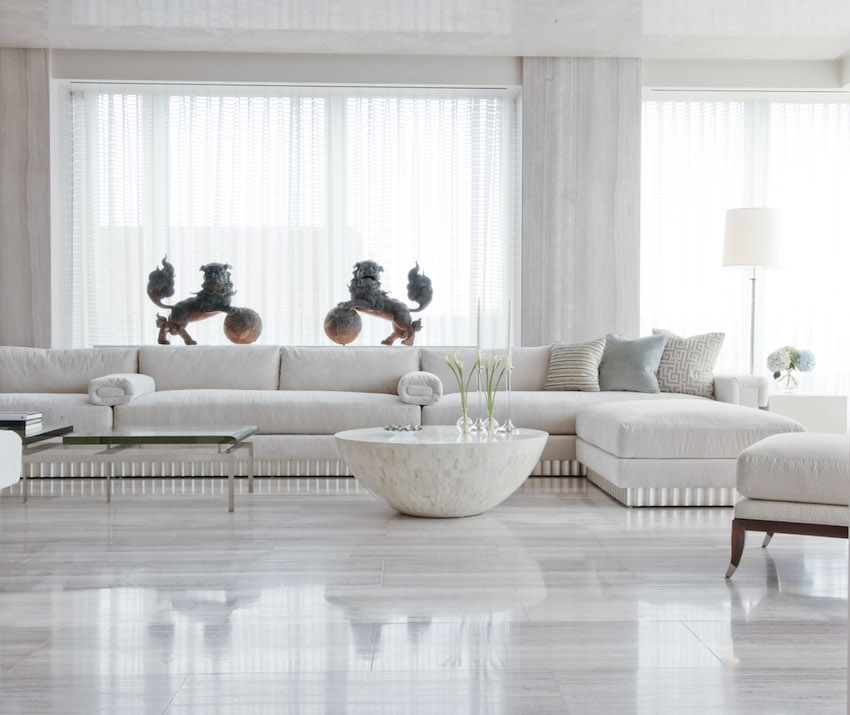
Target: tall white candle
(510,328)
(478,339)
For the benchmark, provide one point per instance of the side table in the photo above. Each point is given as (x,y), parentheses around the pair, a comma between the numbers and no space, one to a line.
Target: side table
(817,413)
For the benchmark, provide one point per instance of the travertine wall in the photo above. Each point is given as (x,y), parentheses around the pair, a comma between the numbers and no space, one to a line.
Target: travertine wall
(580,198)
(24,198)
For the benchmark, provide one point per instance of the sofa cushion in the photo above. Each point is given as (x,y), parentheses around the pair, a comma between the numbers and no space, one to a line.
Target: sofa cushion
(63,371)
(553,412)
(631,365)
(349,369)
(696,428)
(575,367)
(809,468)
(687,364)
(274,412)
(226,367)
(60,408)
(530,367)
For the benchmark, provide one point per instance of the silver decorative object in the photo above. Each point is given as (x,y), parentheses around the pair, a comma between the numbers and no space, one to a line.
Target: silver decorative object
(402,428)
(479,425)
(508,427)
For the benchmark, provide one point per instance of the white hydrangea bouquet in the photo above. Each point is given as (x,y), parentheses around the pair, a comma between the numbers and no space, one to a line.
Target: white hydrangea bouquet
(786,360)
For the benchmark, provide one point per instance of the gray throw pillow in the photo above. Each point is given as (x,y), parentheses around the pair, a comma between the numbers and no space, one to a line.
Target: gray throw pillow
(631,364)
(687,364)
(575,367)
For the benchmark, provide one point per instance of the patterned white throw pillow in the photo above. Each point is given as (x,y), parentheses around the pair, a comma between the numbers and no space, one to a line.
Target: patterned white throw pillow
(575,367)
(687,365)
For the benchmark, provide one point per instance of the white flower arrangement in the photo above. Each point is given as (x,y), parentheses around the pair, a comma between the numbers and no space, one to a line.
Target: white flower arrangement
(456,367)
(787,359)
(495,367)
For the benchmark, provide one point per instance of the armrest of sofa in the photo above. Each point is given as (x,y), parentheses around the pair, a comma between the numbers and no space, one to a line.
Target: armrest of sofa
(420,388)
(119,389)
(746,390)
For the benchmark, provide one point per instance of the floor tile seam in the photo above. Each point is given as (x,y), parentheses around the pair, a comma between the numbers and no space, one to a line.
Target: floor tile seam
(176,692)
(40,553)
(704,644)
(34,651)
(522,604)
(373,647)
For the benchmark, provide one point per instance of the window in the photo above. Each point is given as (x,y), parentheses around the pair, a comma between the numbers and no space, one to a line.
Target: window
(701,158)
(291,186)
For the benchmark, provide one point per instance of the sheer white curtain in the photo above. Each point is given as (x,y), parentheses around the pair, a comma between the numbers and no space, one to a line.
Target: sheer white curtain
(291,187)
(700,158)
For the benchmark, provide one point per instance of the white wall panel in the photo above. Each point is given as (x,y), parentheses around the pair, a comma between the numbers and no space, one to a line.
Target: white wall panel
(24,198)
(580,198)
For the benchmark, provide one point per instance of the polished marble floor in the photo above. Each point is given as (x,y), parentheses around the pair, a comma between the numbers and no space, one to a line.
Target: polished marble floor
(313,597)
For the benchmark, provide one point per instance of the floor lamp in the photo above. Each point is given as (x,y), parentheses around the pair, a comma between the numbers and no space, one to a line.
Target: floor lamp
(752,241)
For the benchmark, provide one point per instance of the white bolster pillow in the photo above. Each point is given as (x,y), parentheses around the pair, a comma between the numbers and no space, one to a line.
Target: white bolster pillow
(420,388)
(119,389)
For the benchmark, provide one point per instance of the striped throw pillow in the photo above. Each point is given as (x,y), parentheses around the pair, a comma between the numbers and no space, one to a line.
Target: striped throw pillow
(575,367)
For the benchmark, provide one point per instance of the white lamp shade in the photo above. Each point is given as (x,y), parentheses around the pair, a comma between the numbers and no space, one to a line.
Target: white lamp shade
(752,238)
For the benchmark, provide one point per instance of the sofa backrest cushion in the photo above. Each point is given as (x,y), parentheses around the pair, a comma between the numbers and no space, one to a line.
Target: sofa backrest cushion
(197,367)
(531,365)
(42,370)
(345,368)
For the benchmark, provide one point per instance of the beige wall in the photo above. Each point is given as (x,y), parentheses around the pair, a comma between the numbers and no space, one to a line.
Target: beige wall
(24,198)
(580,198)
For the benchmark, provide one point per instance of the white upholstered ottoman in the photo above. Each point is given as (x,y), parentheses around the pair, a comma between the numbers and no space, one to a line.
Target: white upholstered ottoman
(792,484)
(670,452)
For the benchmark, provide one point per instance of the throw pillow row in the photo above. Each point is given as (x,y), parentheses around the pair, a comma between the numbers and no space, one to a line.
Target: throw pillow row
(662,362)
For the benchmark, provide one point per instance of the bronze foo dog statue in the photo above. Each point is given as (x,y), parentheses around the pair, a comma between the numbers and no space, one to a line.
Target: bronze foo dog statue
(242,325)
(368,297)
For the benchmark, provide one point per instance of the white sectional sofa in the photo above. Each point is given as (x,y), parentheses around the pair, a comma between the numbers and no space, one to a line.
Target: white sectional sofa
(300,396)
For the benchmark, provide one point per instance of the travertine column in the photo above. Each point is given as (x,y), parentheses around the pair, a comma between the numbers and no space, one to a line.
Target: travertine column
(24,198)
(580,198)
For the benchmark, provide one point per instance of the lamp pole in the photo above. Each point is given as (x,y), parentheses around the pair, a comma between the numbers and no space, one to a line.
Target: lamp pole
(753,323)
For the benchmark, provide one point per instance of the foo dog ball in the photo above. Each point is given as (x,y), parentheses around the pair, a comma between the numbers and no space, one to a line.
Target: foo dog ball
(342,325)
(243,326)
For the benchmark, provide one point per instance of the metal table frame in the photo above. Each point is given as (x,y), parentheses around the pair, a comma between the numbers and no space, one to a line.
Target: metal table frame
(130,443)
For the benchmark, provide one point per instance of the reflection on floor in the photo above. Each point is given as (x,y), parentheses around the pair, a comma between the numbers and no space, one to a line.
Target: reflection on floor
(315,597)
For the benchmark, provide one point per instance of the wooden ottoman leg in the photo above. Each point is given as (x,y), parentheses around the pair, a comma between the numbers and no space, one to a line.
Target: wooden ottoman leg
(767,539)
(739,534)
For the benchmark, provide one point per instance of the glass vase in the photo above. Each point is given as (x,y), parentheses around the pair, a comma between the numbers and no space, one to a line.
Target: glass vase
(788,383)
(464,424)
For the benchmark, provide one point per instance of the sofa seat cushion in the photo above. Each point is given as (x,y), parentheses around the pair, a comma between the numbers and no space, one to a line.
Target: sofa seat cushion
(551,411)
(273,411)
(62,408)
(671,429)
(807,468)
(765,510)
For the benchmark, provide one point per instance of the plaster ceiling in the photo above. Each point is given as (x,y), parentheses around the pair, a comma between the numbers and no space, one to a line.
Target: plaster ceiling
(659,29)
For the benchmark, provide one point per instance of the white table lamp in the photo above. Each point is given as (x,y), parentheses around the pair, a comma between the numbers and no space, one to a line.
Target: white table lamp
(752,241)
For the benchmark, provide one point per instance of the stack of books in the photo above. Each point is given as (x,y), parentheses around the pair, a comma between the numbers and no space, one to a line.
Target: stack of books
(26,422)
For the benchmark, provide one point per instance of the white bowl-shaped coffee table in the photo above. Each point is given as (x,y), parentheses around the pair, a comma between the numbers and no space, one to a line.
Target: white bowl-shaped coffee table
(437,471)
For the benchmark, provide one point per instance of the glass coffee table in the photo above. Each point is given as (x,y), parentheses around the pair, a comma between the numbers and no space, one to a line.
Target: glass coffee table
(202,444)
